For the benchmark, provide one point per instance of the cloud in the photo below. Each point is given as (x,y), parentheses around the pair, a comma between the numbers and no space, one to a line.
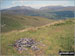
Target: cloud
(35,4)
(19,3)
(38,5)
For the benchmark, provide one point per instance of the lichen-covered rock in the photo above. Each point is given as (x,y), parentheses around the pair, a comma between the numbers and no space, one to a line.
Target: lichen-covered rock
(25,43)
(34,48)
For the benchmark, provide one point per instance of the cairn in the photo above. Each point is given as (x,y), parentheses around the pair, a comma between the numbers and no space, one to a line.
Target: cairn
(25,43)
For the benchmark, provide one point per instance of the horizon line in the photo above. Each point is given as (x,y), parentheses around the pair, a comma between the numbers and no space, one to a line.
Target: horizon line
(37,8)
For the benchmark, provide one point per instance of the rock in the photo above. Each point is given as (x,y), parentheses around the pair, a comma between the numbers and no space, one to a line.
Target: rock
(34,48)
(25,43)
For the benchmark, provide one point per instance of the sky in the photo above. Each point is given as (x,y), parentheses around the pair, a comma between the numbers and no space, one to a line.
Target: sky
(34,3)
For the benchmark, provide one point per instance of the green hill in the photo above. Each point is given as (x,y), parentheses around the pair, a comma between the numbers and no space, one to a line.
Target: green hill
(15,22)
(59,36)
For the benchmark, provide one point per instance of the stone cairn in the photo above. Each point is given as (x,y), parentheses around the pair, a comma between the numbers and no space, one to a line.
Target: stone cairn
(25,43)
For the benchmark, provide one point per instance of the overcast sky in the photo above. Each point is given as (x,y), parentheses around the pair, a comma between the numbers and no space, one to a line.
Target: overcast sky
(35,4)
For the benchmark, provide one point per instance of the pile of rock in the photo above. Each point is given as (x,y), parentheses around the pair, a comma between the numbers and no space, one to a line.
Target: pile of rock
(25,43)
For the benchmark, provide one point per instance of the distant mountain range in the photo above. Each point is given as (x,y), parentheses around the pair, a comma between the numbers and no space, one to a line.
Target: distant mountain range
(51,12)
(58,8)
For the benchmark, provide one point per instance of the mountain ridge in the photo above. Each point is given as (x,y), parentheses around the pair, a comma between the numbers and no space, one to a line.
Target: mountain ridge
(49,11)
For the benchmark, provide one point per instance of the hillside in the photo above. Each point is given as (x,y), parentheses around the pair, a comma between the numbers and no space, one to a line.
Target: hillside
(59,36)
(15,22)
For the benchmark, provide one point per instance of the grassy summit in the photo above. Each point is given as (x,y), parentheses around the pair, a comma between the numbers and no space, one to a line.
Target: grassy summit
(56,37)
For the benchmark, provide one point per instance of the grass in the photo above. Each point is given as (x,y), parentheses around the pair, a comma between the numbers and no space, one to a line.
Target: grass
(56,37)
